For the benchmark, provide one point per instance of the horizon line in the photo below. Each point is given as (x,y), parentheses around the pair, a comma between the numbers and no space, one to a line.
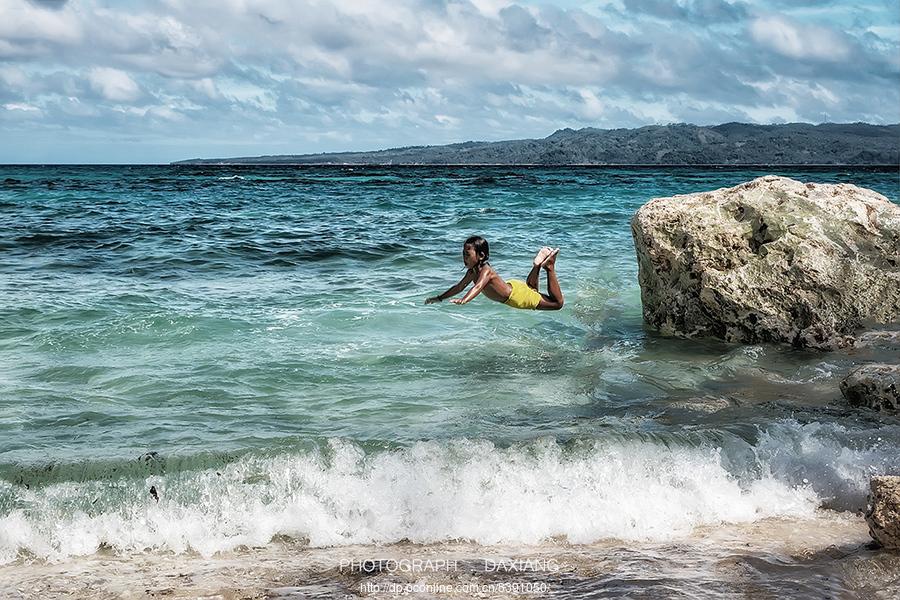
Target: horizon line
(458,165)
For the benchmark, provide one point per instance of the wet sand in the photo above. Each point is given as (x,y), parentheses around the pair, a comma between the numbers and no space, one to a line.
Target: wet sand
(828,556)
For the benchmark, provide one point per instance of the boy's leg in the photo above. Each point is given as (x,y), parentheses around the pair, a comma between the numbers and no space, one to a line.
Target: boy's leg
(553,289)
(534,277)
(553,300)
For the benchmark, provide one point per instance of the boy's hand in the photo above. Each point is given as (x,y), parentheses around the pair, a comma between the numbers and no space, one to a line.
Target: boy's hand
(457,301)
(432,300)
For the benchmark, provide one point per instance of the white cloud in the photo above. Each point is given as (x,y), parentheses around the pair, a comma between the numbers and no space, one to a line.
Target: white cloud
(593,107)
(248,93)
(21,106)
(206,86)
(13,77)
(491,7)
(799,41)
(447,120)
(20,20)
(773,114)
(888,32)
(113,84)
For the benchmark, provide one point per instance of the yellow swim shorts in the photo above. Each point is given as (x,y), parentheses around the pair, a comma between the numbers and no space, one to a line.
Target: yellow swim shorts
(522,296)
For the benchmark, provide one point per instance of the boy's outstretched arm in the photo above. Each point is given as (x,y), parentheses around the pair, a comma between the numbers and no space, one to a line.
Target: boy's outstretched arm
(483,278)
(454,290)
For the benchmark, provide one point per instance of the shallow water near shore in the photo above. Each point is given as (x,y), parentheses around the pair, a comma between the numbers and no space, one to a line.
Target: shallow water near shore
(220,366)
(826,555)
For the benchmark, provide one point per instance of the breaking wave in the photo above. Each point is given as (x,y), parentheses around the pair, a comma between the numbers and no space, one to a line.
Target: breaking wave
(338,493)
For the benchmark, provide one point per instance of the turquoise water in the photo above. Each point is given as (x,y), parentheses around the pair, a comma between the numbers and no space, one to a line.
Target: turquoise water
(253,343)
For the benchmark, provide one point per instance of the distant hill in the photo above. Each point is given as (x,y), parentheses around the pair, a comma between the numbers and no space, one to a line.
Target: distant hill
(728,144)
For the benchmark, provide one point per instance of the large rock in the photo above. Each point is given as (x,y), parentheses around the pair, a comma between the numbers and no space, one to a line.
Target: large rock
(771,260)
(876,386)
(883,513)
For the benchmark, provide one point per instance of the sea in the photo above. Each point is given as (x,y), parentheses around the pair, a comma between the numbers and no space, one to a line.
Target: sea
(224,380)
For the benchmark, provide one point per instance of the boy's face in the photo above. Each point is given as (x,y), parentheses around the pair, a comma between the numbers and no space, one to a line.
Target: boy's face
(470,259)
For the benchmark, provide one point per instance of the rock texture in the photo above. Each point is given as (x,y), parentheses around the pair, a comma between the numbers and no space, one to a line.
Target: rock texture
(771,260)
(883,514)
(875,386)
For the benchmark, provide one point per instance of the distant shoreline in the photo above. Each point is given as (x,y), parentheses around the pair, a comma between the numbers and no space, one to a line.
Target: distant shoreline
(549,165)
(729,144)
(180,164)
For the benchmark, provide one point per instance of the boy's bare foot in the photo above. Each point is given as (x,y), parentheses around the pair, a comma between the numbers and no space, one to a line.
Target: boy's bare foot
(550,262)
(542,255)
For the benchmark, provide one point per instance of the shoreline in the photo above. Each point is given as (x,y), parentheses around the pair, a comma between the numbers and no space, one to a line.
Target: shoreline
(637,166)
(826,554)
(544,165)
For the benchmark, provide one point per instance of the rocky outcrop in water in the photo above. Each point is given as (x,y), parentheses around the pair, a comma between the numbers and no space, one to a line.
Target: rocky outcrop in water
(771,260)
(875,386)
(883,514)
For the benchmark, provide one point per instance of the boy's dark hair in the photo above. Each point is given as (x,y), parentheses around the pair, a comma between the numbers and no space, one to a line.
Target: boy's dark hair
(480,245)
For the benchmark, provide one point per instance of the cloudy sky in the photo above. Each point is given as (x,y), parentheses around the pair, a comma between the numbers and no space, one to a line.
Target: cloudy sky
(162,80)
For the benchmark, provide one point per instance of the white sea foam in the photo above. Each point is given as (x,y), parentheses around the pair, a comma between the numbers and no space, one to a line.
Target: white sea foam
(433,491)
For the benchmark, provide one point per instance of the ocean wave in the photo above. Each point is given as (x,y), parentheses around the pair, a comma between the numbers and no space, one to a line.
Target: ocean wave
(339,492)
(834,461)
